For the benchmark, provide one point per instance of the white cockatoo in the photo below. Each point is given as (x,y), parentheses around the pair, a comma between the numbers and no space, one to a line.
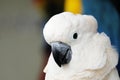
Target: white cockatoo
(79,52)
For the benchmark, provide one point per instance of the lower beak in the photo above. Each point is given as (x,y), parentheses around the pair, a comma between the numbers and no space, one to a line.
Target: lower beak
(61,53)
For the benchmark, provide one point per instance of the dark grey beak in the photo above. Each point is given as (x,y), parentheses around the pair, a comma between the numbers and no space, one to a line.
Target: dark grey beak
(61,52)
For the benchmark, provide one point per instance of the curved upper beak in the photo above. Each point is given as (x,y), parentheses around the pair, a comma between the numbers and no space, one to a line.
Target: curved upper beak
(61,52)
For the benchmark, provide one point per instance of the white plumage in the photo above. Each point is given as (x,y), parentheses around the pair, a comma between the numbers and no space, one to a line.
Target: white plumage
(93,57)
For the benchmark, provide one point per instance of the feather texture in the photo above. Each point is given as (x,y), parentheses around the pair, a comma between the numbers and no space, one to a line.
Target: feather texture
(93,57)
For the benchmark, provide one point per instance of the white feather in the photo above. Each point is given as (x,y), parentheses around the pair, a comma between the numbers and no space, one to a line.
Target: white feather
(93,57)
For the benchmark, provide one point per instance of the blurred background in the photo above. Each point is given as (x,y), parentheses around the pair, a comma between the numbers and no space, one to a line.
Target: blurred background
(20,40)
(23,50)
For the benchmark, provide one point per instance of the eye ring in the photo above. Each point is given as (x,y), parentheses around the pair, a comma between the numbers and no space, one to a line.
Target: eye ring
(75,36)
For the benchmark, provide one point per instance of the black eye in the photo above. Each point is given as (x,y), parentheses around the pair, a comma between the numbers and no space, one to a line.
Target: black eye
(75,35)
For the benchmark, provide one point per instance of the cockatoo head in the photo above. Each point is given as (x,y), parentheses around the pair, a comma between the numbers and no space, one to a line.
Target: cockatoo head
(64,30)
